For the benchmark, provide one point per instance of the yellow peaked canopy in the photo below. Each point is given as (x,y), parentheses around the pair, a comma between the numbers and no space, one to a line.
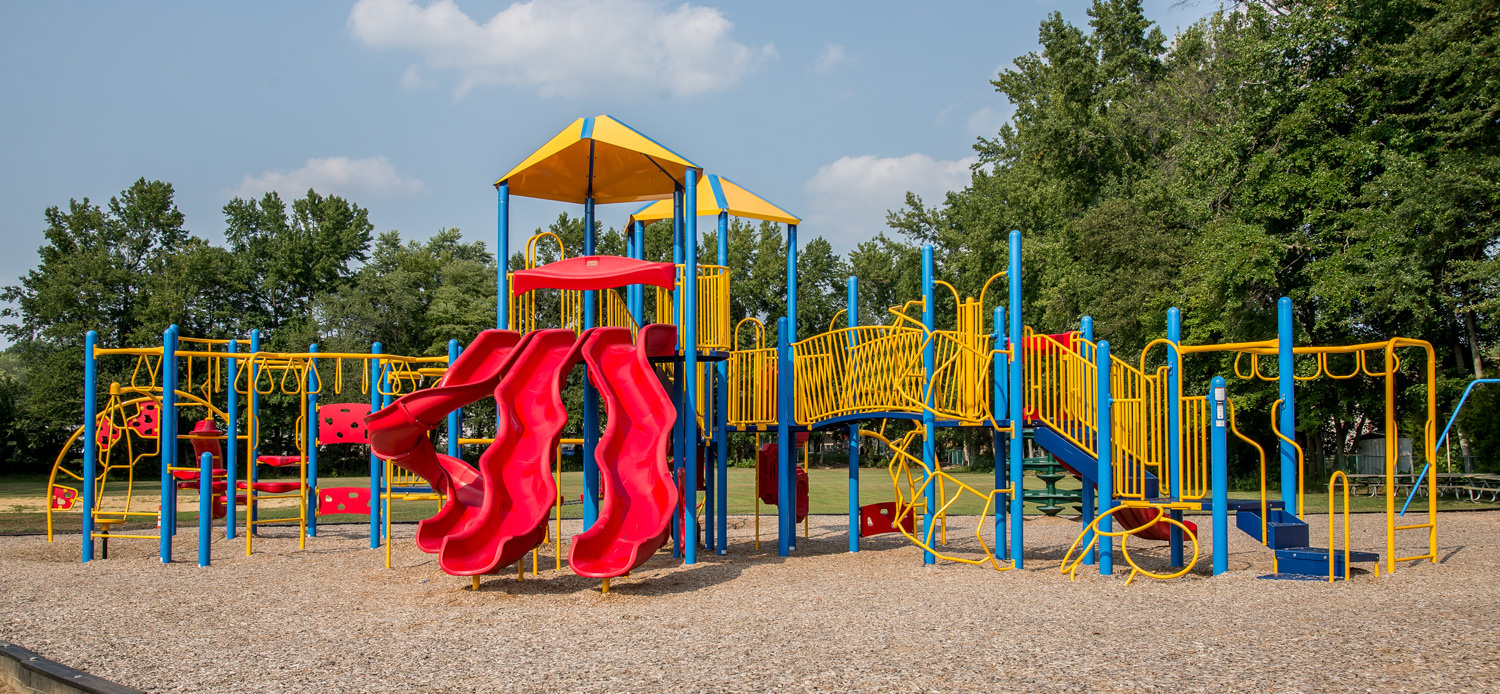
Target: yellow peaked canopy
(602,157)
(717,194)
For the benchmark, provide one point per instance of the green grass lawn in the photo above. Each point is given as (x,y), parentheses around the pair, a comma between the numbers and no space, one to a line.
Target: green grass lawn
(20,498)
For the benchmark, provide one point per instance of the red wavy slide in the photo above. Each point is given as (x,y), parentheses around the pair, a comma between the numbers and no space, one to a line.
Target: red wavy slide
(398,433)
(639,495)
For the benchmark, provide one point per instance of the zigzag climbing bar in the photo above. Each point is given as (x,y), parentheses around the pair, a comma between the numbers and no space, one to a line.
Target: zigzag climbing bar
(1093,532)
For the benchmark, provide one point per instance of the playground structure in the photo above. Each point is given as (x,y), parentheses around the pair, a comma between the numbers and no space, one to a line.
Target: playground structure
(678,382)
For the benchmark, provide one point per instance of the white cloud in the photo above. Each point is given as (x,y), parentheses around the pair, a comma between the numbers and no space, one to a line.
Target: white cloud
(833,54)
(849,198)
(333,175)
(985,122)
(568,48)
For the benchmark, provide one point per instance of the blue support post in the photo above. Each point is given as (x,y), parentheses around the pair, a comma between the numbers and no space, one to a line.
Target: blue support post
(1219,472)
(231,442)
(252,445)
(852,311)
(377,466)
(385,401)
(502,256)
(786,506)
(1174,427)
(721,412)
(590,393)
(205,508)
(790,379)
(311,512)
(1017,402)
(90,439)
(1086,331)
(637,292)
(690,363)
(1287,422)
(1106,454)
(167,437)
(929,422)
(679,393)
(455,421)
(1000,378)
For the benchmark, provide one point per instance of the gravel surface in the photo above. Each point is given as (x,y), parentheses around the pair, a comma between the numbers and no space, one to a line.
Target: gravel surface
(333,618)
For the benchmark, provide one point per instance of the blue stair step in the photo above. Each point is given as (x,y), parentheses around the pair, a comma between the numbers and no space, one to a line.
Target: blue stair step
(1312,562)
(1283,529)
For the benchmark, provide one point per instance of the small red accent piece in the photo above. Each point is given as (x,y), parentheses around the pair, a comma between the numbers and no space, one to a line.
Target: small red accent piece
(593,272)
(145,420)
(876,519)
(1132,518)
(271,487)
(106,435)
(63,498)
(343,423)
(338,500)
(279,460)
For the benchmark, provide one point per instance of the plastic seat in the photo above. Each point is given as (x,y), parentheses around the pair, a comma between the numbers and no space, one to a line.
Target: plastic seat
(279,487)
(279,460)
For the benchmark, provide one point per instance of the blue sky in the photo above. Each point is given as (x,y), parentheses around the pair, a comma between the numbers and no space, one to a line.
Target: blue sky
(412,109)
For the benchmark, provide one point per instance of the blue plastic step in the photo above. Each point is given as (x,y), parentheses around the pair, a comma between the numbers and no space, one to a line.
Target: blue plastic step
(1313,562)
(1283,529)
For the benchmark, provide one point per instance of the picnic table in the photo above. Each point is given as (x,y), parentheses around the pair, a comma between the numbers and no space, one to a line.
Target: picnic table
(1475,487)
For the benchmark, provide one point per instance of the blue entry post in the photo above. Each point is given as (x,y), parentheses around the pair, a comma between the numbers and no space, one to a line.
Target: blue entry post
(385,401)
(721,413)
(205,510)
(1086,331)
(502,256)
(852,311)
(1174,427)
(679,391)
(590,393)
(690,365)
(1106,455)
(1287,421)
(90,439)
(636,294)
(231,442)
(1218,398)
(311,512)
(455,418)
(1017,364)
(376,466)
(167,436)
(252,432)
(789,379)
(1000,379)
(786,506)
(929,422)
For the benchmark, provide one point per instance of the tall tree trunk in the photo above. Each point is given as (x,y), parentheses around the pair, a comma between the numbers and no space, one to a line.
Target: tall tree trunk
(1473,344)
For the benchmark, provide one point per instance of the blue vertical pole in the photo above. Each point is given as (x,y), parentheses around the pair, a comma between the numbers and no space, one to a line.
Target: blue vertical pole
(852,311)
(312,445)
(90,440)
(1001,399)
(786,505)
(1086,331)
(1174,425)
(385,401)
(455,421)
(1106,454)
(205,508)
(721,415)
(1219,472)
(590,393)
(690,362)
(790,382)
(377,506)
(167,436)
(637,292)
(1017,402)
(929,422)
(1287,392)
(679,392)
(502,256)
(253,433)
(231,443)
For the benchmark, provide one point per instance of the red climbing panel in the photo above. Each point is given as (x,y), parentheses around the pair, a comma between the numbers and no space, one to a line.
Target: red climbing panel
(876,519)
(343,423)
(63,498)
(333,501)
(594,272)
(145,420)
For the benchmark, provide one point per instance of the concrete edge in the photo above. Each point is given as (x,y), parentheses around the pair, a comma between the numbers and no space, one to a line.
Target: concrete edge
(25,671)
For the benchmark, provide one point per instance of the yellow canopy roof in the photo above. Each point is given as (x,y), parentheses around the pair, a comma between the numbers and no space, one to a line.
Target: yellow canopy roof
(717,194)
(602,157)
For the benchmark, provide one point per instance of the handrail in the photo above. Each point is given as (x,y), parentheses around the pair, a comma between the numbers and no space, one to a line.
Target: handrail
(1276,410)
(1451,419)
(1264,503)
(1334,478)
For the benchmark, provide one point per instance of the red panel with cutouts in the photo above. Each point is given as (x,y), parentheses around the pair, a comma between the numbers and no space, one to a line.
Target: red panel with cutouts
(337,500)
(146,420)
(106,435)
(63,498)
(344,423)
(878,519)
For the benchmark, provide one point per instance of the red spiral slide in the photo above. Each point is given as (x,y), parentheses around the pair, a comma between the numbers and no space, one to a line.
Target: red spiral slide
(639,495)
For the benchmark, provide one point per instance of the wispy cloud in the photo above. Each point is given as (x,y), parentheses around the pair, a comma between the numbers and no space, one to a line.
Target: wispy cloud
(331,175)
(567,48)
(833,55)
(849,197)
(985,122)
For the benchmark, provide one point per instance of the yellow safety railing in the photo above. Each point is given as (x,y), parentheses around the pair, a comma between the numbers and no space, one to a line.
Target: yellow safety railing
(1194,455)
(752,379)
(1275,429)
(858,370)
(714,333)
(1264,502)
(1094,532)
(1333,480)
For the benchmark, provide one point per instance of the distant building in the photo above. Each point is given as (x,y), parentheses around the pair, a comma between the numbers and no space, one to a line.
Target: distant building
(1369,455)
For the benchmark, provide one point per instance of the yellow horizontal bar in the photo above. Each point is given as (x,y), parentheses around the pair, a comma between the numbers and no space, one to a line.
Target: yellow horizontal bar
(127,350)
(474,442)
(1228,347)
(1414,527)
(106,514)
(128,537)
(1416,558)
